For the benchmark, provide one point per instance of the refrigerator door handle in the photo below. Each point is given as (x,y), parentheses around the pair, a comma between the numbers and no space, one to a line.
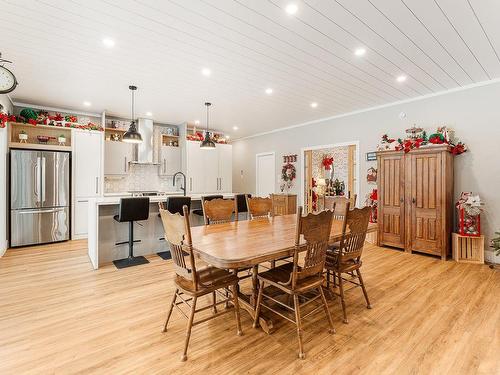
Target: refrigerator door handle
(37,179)
(43,211)
(42,174)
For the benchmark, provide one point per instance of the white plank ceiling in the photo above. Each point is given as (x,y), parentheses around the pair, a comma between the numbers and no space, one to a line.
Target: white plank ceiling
(162,46)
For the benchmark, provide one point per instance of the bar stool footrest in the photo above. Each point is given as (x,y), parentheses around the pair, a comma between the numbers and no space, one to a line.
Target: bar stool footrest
(130,262)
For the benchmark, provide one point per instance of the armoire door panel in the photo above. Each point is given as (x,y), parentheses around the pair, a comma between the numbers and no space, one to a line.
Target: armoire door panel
(391,204)
(425,212)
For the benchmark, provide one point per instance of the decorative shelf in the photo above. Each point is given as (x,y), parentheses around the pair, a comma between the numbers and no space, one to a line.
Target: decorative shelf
(115,130)
(39,146)
(33,131)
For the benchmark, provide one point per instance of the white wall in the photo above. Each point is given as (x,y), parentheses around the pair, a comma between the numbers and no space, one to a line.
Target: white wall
(5,101)
(474,113)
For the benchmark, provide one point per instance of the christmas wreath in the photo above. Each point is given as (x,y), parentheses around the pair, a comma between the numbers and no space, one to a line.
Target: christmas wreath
(288,172)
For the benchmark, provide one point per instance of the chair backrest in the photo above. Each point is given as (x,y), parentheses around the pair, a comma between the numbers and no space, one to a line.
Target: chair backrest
(211,197)
(241,201)
(178,236)
(259,207)
(217,211)
(133,209)
(354,233)
(175,204)
(338,204)
(315,228)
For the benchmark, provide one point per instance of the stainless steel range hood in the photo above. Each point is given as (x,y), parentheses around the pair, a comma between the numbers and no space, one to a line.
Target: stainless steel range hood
(145,149)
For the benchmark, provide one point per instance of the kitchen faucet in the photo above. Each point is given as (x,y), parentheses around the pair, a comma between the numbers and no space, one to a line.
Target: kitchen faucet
(183,188)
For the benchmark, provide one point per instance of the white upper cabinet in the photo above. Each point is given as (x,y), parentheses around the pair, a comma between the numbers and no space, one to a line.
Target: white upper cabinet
(87,157)
(117,156)
(170,160)
(209,171)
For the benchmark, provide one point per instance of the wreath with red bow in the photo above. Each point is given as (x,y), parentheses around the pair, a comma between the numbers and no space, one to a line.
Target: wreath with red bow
(288,172)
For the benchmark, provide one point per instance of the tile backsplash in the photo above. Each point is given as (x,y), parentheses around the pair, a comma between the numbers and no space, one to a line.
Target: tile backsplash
(140,177)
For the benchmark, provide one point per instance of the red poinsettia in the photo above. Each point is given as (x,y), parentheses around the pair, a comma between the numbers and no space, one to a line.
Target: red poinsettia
(32,121)
(458,149)
(327,162)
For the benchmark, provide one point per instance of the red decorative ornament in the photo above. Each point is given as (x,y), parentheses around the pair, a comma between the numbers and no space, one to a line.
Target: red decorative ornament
(327,162)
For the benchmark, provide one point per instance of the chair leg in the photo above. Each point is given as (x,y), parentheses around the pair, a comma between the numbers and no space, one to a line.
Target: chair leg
(327,310)
(236,303)
(342,300)
(368,304)
(298,322)
(257,305)
(188,330)
(214,302)
(334,274)
(327,279)
(171,307)
(273,264)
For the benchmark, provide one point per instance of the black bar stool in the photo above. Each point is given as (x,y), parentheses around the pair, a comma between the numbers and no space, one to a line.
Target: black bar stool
(131,209)
(173,205)
(241,201)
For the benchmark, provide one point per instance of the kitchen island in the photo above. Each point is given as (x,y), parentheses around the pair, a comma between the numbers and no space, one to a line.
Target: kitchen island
(104,232)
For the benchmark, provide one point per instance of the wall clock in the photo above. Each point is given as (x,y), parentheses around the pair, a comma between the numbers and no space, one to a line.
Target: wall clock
(8,81)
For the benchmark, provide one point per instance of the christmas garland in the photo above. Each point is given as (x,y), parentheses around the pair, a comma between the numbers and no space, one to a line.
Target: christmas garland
(419,139)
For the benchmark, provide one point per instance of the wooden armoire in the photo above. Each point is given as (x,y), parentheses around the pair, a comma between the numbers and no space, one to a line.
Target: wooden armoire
(415,199)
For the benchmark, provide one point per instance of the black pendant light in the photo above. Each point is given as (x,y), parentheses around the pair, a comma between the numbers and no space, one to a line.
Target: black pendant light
(132,135)
(207,143)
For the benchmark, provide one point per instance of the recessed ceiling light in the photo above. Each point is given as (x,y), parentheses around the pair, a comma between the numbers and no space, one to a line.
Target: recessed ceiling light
(235,128)
(206,72)
(314,104)
(269,91)
(227,137)
(291,8)
(87,104)
(149,114)
(401,78)
(108,42)
(360,52)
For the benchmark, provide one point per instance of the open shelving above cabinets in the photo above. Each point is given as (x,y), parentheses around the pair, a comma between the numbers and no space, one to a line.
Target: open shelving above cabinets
(39,137)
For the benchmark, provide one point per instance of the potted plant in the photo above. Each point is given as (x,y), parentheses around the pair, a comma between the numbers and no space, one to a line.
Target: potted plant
(23,136)
(62,140)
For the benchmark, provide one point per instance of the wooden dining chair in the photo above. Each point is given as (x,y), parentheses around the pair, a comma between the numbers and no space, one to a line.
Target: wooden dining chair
(346,258)
(191,281)
(259,208)
(298,279)
(218,211)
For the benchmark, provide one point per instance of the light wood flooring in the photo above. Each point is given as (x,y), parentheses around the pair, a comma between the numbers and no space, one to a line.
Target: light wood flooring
(59,316)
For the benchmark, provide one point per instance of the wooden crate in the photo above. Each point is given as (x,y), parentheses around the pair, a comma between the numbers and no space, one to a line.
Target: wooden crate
(468,249)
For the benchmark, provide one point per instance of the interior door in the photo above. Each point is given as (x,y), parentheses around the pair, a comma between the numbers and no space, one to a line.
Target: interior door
(266,171)
(392,200)
(425,213)
(25,179)
(55,179)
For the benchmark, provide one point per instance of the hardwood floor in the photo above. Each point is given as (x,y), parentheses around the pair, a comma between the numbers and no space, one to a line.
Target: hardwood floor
(57,315)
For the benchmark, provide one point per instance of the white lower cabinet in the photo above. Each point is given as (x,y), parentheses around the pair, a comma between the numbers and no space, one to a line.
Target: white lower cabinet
(81,217)
(209,171)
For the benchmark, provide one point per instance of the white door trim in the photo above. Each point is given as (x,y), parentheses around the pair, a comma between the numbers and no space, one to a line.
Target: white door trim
(301,174)
(257,168)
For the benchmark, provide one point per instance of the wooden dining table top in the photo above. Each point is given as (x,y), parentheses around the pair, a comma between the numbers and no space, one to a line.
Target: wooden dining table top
(247,243)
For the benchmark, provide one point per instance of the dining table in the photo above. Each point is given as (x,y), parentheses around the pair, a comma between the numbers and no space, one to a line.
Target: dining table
(246,244)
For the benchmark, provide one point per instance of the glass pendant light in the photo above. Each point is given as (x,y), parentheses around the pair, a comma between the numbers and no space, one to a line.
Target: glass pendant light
(207,143)
(132,135)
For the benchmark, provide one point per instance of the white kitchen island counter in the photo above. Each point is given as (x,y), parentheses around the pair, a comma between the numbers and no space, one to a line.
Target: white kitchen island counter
(104,232)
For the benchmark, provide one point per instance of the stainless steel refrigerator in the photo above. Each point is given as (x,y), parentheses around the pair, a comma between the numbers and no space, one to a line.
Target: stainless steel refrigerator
(39,197)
